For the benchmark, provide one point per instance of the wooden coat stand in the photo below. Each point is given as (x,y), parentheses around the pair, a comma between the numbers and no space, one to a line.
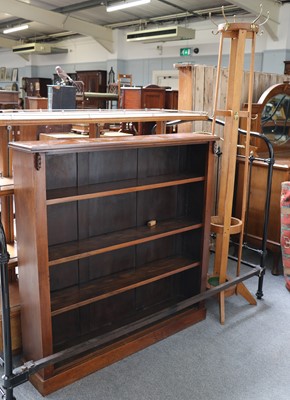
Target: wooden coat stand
(223,224)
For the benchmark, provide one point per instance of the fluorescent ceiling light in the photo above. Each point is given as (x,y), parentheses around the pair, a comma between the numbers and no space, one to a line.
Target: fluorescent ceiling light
(16,28)
(126,4)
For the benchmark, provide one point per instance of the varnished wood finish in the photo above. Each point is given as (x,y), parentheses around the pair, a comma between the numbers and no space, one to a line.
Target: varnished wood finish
(94,265)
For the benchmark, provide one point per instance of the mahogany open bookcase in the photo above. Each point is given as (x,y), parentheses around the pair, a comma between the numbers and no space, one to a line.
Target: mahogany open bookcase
(90,263)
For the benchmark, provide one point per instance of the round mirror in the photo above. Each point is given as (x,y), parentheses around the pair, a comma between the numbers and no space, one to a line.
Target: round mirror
(275,121)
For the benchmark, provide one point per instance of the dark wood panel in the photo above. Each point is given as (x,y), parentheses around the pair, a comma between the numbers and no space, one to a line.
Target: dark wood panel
(61,171)
(105,264)
(66,327)
(112,166)
(156,250)
(158,205)
(156,294)
(102,315)
(109,214)
(65,276)
(62,223)
(158,161)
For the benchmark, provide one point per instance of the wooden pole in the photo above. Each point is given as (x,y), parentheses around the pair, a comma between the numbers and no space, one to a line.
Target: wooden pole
(224,224)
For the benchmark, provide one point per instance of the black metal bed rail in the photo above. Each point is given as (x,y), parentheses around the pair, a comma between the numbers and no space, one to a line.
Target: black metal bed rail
(270,160)
(7,392)
(12,378)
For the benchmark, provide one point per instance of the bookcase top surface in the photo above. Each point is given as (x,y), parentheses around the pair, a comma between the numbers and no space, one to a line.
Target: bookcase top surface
(112,143)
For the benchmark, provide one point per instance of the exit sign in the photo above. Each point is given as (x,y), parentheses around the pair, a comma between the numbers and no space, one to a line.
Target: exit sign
(186,51)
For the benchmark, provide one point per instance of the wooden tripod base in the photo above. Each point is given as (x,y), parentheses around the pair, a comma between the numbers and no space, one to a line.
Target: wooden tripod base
(239,289)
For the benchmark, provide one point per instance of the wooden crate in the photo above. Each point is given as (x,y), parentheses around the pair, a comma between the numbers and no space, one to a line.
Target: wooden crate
(202,90)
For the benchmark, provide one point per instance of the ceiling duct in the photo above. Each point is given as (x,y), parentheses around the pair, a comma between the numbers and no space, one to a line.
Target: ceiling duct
(37,48)
(161,34)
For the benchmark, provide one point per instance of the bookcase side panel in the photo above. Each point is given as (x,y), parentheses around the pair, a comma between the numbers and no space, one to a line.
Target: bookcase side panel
(30,204)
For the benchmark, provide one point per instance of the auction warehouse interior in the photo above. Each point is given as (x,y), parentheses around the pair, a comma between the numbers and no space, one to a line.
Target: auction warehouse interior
(144,197)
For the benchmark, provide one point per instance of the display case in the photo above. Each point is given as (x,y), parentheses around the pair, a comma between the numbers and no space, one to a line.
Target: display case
(36,87)
(118,237)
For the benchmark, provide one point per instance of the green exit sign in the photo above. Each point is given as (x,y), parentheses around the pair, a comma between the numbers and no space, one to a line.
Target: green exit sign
(186,51)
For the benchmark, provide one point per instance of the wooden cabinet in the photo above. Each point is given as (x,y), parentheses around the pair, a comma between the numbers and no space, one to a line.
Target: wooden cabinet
(134,97)
(36,103)
(9,99)
(147,97)
(95,267)
(94,81)
(36,87)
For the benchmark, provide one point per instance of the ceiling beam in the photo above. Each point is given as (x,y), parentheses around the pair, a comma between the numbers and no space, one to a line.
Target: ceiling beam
(102,35)
(273,7)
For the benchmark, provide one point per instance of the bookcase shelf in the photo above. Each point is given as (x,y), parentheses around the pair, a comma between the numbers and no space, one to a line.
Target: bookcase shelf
(56,196)
(95,265)
(66,252)
(72,298)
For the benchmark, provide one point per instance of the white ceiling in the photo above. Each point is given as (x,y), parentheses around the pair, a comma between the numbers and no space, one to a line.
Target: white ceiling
(50,21)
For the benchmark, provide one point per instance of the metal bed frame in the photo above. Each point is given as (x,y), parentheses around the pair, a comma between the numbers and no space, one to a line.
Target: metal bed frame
(13,377)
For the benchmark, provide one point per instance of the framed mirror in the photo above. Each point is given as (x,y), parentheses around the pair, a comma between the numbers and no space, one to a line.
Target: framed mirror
(275,118)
